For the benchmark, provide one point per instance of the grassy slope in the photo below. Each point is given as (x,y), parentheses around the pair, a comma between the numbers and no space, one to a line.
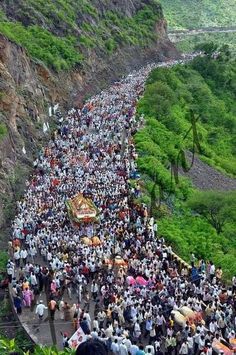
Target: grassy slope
(195,14)
(168,96)
(188,44)
(181,14)
(58,32)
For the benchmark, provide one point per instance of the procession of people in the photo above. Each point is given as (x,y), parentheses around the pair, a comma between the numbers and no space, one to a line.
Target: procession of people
(127,290)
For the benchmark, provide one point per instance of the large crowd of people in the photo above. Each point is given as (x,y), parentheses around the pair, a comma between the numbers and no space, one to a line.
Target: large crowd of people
(129,287)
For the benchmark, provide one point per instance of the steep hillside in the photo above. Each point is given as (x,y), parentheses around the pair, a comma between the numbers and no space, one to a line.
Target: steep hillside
(61,51)
(191,108)
(197,14)
(186,109)
(59,33)
(188,43)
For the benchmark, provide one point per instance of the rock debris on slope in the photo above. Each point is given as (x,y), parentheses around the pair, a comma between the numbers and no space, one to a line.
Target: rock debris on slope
(206,177)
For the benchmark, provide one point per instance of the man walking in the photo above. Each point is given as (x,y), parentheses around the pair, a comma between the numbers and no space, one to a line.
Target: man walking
(40,310)
(52,308)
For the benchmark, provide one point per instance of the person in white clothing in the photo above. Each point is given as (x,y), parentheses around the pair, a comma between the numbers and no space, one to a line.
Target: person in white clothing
(17,257)
(213,326)
(201,344)
(209,350)
(95,324)
(123,348)
(149,349)
(10,270)
(33,280)
(40,310)
(23,256)
(190,343)
(94,290)
(128,343)
(184,348)
(94,333)
(134,348)
(115,347)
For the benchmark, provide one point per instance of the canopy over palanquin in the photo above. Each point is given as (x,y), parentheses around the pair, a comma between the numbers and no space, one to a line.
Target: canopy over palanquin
(81,209)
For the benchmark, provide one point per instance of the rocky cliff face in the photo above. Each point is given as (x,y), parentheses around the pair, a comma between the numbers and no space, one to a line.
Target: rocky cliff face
(28,88)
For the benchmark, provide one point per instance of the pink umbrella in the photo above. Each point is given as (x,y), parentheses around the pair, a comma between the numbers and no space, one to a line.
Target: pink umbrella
(130,280)
(141,281)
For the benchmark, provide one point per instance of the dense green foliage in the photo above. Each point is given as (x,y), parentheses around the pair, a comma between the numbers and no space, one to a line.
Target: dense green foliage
(3,128)
(58,53)
(12,346)
(60,32)
(188,233)
(3,260)
(191,107)
(194,14)
(218,208)
(185,107)
(188,43)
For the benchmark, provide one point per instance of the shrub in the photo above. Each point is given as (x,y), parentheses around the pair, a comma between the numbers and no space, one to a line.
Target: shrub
(3,260)
(3,129)
(58,53)
(110,45)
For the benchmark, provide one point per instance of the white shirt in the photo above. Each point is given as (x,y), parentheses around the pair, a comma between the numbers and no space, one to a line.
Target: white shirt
(234,281)
(123,349)
(17,255)
(115,348)
(201,344)
(128,343)
(190,342)
(33,280)
(10,270)
(133,349)
(150,347)
(40,309)
(183,349)
(94,334)
(212,269)
(95,324)
(212,327)
(94,287)
(23,254)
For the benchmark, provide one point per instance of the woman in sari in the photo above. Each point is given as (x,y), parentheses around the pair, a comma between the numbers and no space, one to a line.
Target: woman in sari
(27,297)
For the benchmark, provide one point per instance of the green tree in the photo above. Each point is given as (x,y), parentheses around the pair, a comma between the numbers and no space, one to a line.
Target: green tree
(207,47)
(216,207)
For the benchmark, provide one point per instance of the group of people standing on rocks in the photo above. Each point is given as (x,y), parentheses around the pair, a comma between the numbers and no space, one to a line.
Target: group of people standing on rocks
(125,291)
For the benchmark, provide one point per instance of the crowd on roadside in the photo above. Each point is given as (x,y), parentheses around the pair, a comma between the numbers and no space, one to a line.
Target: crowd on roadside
(130,306)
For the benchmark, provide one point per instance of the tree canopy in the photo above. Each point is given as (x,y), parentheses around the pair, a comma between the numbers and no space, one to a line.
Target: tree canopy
(191,108)
(216,207)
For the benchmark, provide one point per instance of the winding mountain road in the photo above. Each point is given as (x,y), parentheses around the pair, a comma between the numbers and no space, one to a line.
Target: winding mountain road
(178,35)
